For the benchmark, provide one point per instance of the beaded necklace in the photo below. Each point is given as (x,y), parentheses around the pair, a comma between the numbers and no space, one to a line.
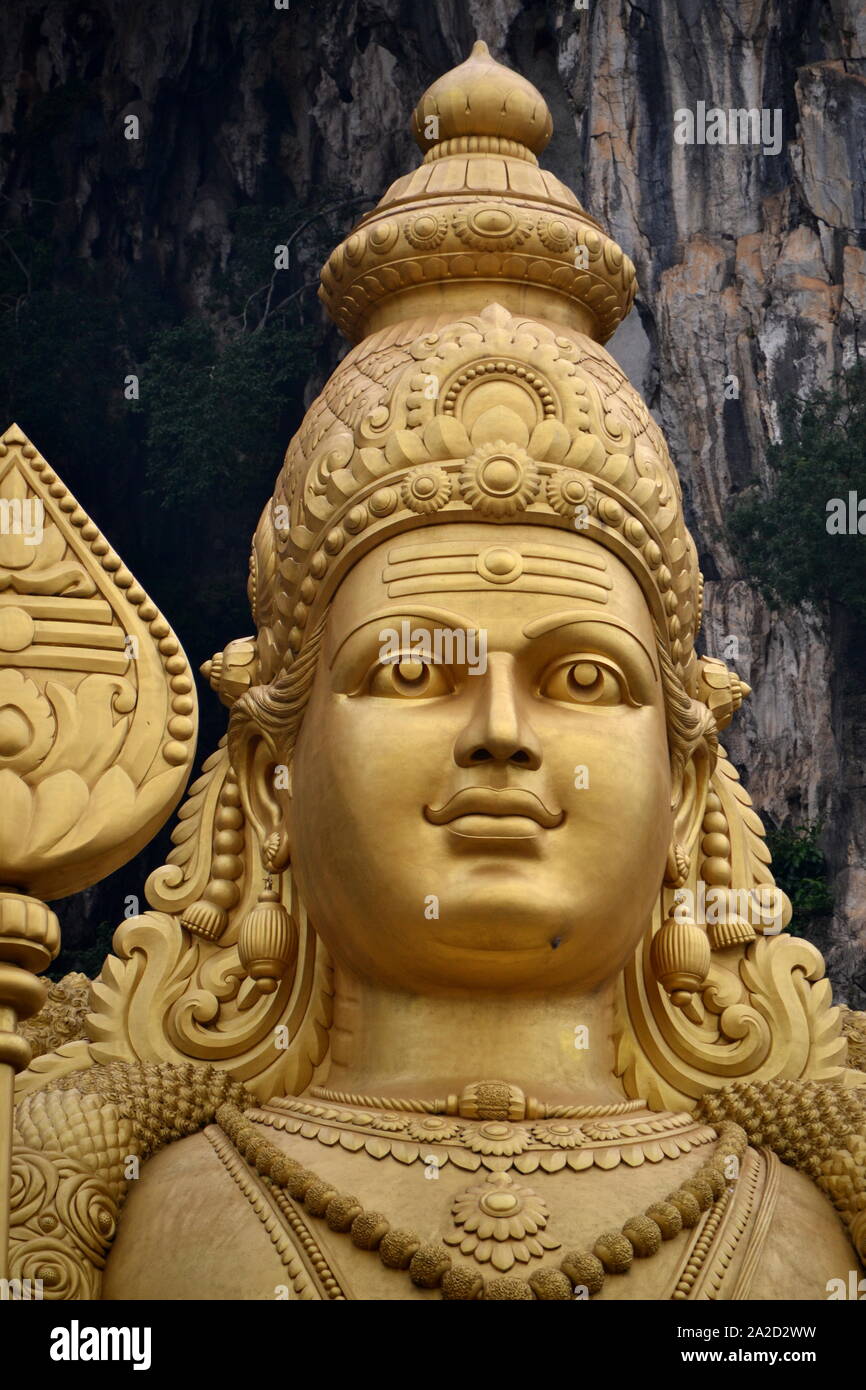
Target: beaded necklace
(429,1264)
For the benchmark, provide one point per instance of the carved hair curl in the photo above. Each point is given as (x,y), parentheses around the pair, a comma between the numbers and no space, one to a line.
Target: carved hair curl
(690,723)
(277,709)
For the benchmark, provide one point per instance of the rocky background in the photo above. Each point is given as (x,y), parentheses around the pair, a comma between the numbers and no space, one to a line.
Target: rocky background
(749,265)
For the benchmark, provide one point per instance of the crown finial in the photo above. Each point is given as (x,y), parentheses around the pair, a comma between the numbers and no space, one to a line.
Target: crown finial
(482,97)
(479,222)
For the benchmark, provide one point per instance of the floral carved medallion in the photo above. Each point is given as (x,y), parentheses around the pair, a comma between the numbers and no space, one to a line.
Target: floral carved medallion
(501,1222)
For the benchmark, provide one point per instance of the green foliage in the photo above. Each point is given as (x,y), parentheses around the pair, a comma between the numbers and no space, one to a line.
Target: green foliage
(800,870)
(61,373)
(221,394)
(178,477)
(88,959)
(782,534)
(220,390)
(214,411)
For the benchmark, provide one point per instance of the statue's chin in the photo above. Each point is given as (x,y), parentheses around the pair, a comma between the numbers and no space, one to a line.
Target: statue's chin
(489,951)
(482,922)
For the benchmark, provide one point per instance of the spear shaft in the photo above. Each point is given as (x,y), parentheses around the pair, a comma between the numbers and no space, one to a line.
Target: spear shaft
(29,940)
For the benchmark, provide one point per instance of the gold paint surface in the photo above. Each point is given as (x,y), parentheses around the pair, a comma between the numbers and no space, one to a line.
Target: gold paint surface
(472,756)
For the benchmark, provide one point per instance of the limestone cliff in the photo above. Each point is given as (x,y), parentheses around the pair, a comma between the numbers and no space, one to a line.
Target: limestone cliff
(751,265)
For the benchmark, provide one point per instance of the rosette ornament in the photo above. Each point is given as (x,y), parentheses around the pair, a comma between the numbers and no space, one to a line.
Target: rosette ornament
(499,479)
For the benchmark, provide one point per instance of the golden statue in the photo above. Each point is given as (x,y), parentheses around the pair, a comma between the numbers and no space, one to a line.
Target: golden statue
(466,976)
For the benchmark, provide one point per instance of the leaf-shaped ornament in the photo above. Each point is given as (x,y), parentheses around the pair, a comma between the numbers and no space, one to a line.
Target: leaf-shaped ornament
(98,710)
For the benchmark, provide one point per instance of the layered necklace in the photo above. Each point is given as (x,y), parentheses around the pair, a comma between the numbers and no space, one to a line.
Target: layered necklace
(429,1264)
(471,1136)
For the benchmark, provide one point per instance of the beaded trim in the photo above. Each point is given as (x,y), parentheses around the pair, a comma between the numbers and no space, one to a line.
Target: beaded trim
(178,742)
(701,1244)
(718,1235)
(757,1236)
(282,1242)
(313,1250)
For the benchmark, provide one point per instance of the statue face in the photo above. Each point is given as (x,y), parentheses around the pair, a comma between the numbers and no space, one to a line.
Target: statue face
(481,784)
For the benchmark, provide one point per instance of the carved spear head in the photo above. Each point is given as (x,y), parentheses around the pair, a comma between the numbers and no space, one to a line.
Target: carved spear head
(98,710)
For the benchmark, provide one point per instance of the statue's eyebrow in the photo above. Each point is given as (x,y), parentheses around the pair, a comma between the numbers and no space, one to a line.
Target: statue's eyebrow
(436,615)
(569,616)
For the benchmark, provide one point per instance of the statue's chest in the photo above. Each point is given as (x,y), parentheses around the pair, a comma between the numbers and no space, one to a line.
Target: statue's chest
(498,1205)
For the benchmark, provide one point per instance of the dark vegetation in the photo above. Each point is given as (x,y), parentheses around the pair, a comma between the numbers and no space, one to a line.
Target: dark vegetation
(800,870)
(788,536)
(176,465)
(782,531)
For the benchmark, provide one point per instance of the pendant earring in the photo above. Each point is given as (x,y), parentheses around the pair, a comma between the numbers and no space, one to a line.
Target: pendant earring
(680,958)
(680,954)
(268,938)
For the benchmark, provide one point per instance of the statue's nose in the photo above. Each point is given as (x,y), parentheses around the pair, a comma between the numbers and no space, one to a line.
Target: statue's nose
(498,728)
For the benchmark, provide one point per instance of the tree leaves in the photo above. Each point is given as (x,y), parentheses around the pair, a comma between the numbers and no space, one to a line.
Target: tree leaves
(782,532)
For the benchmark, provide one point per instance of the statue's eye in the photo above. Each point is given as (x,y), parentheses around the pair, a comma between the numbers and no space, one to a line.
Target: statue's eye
(409,678)
(588,681)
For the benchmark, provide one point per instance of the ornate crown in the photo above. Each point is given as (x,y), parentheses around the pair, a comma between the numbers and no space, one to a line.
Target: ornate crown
(479,389)
(477,215)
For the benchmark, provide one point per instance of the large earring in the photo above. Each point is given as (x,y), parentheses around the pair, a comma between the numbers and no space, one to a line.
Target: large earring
(268,938)
(680,954)
(680,957)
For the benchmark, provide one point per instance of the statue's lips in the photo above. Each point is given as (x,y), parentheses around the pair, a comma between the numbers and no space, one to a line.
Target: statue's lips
(490,813)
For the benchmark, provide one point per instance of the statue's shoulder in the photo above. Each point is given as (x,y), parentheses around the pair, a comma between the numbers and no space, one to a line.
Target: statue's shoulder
(798,1245)
(85,1147)
(188,1230)
(70,1154)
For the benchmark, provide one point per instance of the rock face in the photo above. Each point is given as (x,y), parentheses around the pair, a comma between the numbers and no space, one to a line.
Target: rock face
(751,263)
(752,267)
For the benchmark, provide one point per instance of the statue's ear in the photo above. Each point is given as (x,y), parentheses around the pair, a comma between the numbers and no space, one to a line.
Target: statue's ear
(265,786)
(691,782)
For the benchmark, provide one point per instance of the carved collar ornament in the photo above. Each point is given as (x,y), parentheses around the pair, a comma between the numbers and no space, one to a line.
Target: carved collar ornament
(495,1144)
(74,1139)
